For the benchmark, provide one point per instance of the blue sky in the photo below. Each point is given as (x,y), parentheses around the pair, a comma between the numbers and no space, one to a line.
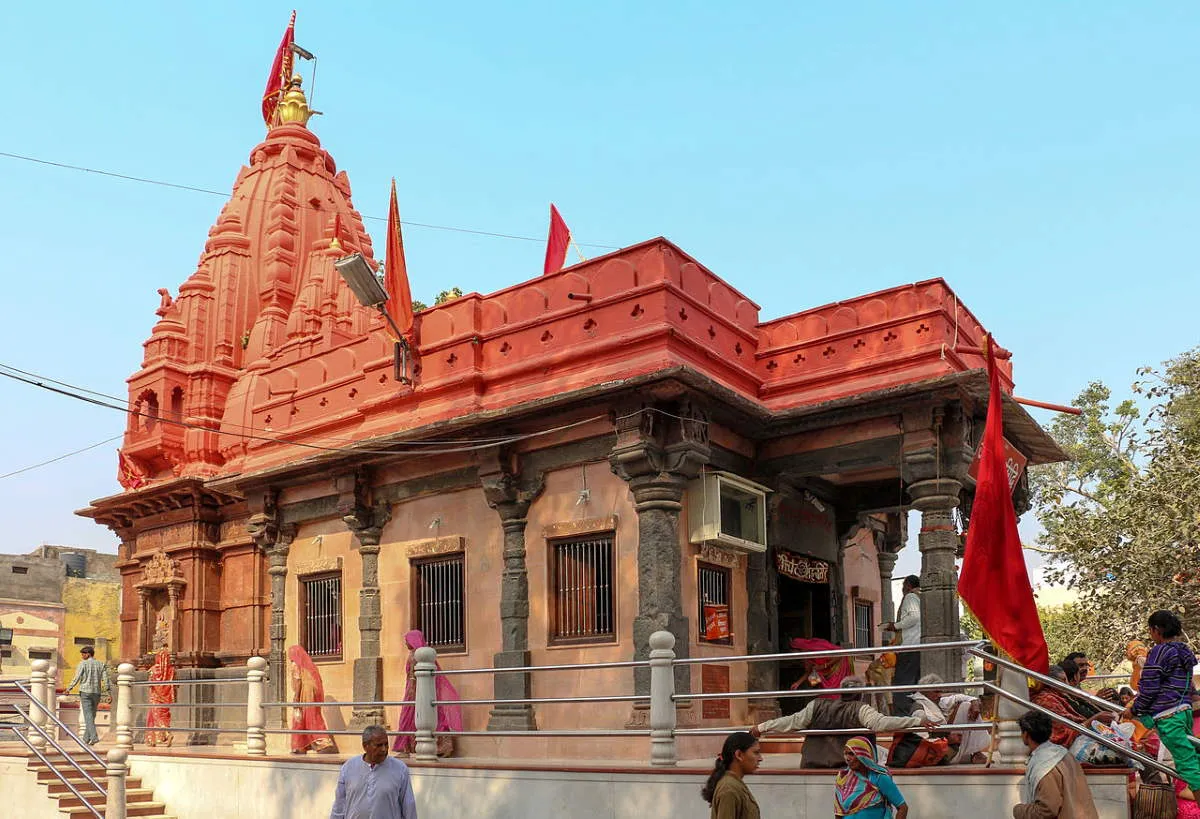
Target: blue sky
(1041,157)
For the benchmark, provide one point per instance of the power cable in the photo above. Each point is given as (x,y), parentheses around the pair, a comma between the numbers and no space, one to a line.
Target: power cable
(60,457)
(350,450)
(123,402)
(226,195)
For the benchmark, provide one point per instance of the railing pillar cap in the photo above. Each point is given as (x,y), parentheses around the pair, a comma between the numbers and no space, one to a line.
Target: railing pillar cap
(40,666)
(425,654)
(662,641)
(116,756)
(257,663)
(126,668)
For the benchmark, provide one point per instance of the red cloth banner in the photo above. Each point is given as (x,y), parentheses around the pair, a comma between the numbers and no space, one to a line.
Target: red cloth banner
(556,243)
(399,303)
(994,583)
(281,73)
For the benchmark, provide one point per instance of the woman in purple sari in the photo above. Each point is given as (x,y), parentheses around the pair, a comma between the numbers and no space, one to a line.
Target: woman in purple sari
(449,717)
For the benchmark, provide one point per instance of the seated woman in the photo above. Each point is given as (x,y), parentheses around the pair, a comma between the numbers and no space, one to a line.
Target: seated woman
(864,788)
(1050,699)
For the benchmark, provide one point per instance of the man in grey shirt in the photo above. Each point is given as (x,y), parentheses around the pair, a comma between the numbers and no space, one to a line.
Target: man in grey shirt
(374,785)
(91,676)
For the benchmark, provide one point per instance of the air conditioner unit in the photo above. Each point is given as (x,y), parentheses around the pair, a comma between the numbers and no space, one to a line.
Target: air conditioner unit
(726,510)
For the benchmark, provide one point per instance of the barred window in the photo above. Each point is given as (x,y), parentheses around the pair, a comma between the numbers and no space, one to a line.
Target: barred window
(439,605)
(581,589)
(321,615)
(864,620)
(713,594)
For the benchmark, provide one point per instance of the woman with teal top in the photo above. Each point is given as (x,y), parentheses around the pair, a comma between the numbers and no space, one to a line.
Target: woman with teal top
(864,788)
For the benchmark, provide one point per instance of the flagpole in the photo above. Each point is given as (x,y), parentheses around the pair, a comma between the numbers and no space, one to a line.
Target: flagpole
(582,258)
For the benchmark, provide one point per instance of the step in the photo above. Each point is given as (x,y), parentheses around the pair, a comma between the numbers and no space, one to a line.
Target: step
(48,775)
(70,800)
(135,809)
(57,786)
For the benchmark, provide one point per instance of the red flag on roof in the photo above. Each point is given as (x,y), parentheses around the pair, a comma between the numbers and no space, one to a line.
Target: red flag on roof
(281,73)
(399,303)
(994,583)
(130,476)
(556,243)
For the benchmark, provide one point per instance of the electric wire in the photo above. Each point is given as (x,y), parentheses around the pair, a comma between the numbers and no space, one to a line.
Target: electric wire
(31,467)
(394,450)
(225,195)
(228,425)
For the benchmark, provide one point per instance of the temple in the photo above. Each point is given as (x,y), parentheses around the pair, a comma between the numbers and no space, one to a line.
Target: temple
(581,459)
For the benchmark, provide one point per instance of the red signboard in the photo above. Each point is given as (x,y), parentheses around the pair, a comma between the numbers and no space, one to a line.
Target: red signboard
(1014,460)
(716,622)
(804,569)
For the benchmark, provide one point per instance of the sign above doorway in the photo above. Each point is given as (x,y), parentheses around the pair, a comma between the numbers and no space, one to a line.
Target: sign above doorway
(804,569)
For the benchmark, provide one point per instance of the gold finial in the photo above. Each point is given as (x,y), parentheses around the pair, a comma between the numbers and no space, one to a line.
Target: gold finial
(293,106)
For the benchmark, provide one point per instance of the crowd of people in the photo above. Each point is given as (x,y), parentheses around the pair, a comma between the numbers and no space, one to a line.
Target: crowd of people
(1154,714)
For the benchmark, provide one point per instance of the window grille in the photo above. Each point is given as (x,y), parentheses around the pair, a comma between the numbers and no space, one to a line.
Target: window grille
(439,609)
(582,600)
(864,622)
(40,654)
(713,590)
(322,615)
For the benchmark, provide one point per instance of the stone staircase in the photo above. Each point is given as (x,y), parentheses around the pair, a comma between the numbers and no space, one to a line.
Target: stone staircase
(139,801)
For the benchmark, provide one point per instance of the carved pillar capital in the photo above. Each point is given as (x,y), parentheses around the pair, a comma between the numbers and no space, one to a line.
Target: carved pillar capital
(659,448)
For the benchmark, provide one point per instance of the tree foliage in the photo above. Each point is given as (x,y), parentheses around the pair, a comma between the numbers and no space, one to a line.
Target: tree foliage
(1121,519)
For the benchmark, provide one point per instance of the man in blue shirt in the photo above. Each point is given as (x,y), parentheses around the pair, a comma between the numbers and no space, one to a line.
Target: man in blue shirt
(374,785)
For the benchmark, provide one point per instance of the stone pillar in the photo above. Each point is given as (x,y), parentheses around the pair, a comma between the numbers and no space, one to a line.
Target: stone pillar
(1011,750)
(256,738)
(425,717)
(37,689)
(124,718)
(366,522)
(143,629)
(761,625)
(275,540)
(657,453)
(662,704)
(510,495)
(116,770)
(887,606)
(936,499)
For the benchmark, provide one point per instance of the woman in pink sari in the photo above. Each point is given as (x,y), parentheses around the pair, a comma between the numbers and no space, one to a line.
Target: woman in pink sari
(449,717)
(822,672)
(163,671)
(307,687)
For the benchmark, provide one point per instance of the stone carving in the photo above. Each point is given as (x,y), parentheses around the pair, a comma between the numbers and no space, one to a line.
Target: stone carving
(572,528)
(434,546)
(161,570)
(713,553)
(318,565)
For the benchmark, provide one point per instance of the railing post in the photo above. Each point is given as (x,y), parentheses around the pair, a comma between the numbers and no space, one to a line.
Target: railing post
(1011,749)
(124,719)
(426,712)
(662,699)
(256,721)
(114,800)
(37,687)
(52,700)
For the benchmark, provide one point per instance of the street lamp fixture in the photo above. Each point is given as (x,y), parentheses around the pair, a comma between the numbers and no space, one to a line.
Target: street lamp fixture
(361,279)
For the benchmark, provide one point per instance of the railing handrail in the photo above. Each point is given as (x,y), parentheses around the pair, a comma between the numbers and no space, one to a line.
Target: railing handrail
(835,653)
(450,672)
(62,751)
(83,799)
(62,726)
(218,681)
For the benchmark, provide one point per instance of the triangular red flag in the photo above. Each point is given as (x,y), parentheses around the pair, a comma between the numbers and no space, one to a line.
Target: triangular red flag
(281,73)
(556,243)
(994,583)
(129,476)
(399,303)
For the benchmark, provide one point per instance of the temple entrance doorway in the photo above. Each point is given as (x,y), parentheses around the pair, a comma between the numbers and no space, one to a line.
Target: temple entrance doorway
(804,611)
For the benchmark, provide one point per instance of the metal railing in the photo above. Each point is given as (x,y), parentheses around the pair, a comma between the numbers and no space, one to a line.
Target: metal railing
(36,738)
(1011,692)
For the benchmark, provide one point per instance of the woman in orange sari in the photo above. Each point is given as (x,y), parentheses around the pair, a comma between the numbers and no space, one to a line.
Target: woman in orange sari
(307,687)
(163,671)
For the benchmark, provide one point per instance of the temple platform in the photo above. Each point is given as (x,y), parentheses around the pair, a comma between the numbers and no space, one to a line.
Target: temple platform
(214,783)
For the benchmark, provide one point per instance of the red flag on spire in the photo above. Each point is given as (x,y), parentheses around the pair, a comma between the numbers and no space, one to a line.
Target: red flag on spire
(994,583)
(556,243)
(281,73)
(399,303)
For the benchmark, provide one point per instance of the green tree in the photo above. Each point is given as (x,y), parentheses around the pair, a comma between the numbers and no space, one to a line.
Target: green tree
(1121,519)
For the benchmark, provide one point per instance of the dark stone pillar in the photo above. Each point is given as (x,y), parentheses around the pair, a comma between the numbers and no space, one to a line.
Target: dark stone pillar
(275,540)
(657,453)
(366,521)
(761,625)
(938,540)
(510,494)
(895,535)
